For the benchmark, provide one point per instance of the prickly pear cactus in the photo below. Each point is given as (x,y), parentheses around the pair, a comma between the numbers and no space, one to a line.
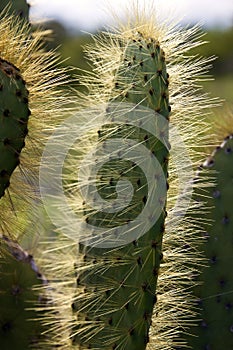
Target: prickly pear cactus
(214,292)
(13,120)
(117,287)
(20,325)
(16,7)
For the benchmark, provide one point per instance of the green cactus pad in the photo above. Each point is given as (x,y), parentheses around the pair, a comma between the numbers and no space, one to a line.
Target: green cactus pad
(14,114)
(16,7)
(214,295)
(116,288)
(20,325)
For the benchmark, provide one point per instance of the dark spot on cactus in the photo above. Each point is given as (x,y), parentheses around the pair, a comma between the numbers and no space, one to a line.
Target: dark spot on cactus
(4,173)
(73,307)
(153,54)
(145,78)
(155,272)
(225,220)
(110,321)
(161,256)
(146,316)
(228,306)
(222,283)
(167,185)
(18,93)
(6,141)
(141,63)
(213,260)
(140,47)
(129,64)
(228,150)
(203,324)
(151,92)
(7,326)
(87,220)
(114,347)
(126,306)
(164,95)
(126,94)
(144,286)
(159,72)
(169,108)
(78,281)
(139,261)
(139,182)
(134,58)
(135,243)
(207,347)
(15,290)
(6,113)
(25,100)
(144,199)
(158,109)
(148,45)
(85,258)
(216,194)
(210,163)
(153,244)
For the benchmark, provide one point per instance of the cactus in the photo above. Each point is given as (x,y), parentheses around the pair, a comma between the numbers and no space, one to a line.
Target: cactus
(126,300)
(16,7)
(116,286)
(213,291)
(29,82)
(21,327)
(14,120)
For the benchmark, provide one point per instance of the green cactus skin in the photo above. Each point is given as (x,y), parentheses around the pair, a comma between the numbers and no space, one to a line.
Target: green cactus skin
(214,330)
(16,7)
(20,325)
(14,114)
(119,289)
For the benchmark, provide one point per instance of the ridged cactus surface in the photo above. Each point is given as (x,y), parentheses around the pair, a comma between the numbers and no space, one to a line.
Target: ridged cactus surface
(20,325)
(116,290)
(214,330)
(14,114)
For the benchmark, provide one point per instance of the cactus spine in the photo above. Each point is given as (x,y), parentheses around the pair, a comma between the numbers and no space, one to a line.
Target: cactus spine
(213,291)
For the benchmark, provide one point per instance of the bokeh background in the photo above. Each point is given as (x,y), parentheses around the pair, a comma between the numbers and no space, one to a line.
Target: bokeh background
(72,22)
